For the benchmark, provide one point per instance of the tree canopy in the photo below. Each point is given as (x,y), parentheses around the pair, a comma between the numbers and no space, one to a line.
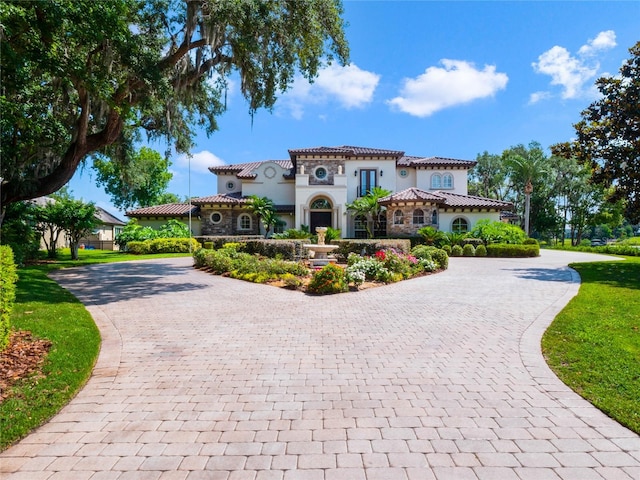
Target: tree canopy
(608,136)
(139,181)
(81,77)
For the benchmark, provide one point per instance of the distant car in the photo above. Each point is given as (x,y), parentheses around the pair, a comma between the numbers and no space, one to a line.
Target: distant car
(598,242)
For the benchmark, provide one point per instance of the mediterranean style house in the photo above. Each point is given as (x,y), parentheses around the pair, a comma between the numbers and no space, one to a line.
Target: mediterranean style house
(313,187)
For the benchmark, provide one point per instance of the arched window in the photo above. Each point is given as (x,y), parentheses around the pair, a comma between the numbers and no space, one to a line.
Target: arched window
(447,180)
(460,225)
(418,217)
(434,217)
(320,204)
(398,217)
(244,221)
(436,181)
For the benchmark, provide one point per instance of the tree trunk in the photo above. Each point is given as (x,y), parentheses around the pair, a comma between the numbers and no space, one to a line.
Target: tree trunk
(74,250)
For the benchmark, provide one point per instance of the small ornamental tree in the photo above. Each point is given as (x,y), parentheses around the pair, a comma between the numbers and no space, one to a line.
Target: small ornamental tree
(78,220)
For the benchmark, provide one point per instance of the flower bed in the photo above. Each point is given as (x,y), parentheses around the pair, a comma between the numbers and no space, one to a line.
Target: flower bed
(384,266)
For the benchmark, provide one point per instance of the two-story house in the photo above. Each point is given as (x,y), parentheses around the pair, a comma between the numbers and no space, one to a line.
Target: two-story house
(315,185)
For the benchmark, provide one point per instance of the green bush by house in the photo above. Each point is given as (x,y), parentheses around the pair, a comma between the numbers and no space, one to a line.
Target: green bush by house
(163,245)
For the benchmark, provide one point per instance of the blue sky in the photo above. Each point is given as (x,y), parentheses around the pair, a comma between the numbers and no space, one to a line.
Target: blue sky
(449,79)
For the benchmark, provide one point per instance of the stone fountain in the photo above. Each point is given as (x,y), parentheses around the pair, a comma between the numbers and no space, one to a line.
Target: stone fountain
(320,250)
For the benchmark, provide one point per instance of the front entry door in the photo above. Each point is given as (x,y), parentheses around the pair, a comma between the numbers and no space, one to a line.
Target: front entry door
(319,219)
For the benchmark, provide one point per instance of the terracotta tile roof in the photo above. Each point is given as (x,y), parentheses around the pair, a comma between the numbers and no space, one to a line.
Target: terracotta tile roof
(411,195)
(245,170)
(168,209)
(346,150)
(445,199)
(458,200)
(411,161)
(222,198)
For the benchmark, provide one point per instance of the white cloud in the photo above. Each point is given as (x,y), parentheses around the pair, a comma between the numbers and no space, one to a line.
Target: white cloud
(603,41)
(535,97)
(201,161)
(574,73)
(459,82)
(350,86)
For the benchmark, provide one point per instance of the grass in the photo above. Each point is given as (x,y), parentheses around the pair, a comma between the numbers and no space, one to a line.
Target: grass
(593,345)
(51,312)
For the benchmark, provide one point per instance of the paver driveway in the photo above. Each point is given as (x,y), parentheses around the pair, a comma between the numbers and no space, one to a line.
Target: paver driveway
(203,377)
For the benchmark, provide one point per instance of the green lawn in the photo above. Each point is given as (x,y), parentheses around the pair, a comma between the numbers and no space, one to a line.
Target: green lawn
(593,345)
(50,312)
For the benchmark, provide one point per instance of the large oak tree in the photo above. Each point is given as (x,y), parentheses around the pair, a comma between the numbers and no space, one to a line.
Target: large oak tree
(608,136)
(81,77)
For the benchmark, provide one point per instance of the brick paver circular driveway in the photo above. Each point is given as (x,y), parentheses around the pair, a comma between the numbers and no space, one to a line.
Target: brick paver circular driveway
(203,377)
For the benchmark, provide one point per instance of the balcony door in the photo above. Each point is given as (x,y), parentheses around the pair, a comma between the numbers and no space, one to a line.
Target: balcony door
(368,180)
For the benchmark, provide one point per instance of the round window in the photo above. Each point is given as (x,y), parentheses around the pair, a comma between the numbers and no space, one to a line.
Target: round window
(321,173)
(231,185)
(403,173)
(216,217)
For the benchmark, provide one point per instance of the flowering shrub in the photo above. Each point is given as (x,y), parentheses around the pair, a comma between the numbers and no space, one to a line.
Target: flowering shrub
(388,265)
(330,279)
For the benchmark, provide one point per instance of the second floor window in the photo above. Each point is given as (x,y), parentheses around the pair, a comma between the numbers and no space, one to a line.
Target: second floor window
(447,180)
(368,180)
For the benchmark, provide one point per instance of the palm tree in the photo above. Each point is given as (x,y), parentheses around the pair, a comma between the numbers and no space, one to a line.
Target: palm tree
(265,211)
(431,235)
(368,207)
(526,166)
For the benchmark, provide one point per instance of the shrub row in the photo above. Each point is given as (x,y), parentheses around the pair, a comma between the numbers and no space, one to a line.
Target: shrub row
(290,249)
(627,250)
(369,247)
(163,245)
(8,279)
(512,251)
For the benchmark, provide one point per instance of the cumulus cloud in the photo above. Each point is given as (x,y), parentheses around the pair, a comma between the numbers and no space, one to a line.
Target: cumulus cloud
(456,82)
(603,41)
(350,86)
(573,73)
(200,161)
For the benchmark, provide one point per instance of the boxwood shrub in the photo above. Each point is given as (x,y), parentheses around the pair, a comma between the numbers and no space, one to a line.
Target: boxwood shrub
(468,250)
(510,250)
(163,245)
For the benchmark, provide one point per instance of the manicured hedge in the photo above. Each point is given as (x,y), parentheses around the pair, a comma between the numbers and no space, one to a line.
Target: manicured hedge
(8,279)
(507,250)
(163,245)
(287,249)
(369,246)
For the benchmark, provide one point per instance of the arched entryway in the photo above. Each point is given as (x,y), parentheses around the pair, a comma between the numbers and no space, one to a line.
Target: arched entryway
(320,213)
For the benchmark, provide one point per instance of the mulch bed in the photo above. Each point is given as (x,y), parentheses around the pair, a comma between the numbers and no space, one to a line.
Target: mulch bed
(23,357)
